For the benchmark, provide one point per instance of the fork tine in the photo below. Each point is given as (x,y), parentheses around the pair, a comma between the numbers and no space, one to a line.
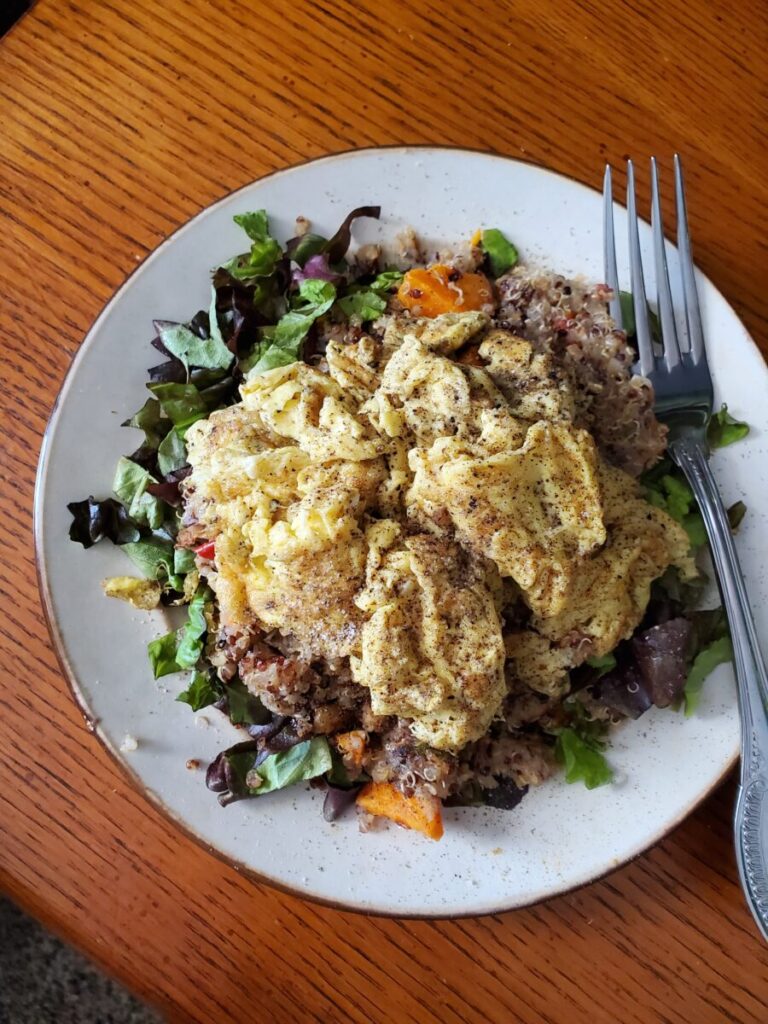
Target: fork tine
(609,250)
(690,295)
(642,324)
(663,293)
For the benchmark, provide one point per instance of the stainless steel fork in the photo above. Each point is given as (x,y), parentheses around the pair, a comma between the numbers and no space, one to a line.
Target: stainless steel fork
(683,387)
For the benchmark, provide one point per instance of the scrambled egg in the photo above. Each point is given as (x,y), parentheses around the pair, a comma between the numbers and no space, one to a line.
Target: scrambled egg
(286,518)
(388,510)
(535,510)
(431,644)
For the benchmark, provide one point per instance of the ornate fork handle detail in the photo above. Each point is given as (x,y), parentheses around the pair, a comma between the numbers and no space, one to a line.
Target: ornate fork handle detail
(750,823)
(751,818)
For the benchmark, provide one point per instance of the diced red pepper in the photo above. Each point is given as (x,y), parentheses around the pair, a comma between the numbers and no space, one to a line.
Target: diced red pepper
(206,550)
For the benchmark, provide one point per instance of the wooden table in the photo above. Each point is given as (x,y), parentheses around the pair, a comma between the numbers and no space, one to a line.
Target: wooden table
(121,119)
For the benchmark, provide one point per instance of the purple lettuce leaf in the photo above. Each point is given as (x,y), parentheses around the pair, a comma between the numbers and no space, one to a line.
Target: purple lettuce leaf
(92,520)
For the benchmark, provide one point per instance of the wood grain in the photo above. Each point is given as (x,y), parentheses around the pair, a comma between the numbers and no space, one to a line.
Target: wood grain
(121,119)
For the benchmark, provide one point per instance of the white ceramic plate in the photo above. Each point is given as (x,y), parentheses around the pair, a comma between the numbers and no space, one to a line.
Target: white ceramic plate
(560,836)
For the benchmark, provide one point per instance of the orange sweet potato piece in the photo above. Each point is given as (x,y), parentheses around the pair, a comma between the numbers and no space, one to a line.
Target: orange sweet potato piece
(352,745)
(430,291)
(421,813)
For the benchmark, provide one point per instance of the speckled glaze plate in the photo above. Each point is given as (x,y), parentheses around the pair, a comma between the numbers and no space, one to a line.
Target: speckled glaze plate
(560,836)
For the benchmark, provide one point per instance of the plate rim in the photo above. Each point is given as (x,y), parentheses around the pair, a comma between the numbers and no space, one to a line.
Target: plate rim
(92,723)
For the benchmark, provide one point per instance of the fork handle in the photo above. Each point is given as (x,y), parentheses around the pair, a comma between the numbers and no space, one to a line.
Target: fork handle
(751,817)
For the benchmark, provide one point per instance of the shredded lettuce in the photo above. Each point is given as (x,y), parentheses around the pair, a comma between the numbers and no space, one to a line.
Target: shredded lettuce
(723,429)
(502,254)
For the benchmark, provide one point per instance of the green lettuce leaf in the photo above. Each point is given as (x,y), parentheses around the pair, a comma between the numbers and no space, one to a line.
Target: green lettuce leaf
(265,250)
(181,403)
(204,689)
(150,419)
(305,247)
(162,655)
(315,297)
(183,560)
(704,663)
(628,317)
(723,429)
(362,305)
(213,323)
(207,353)
(172,452)
(255,224)
(583,759)
(282,345)
(153,556)
(192,634)
(711,645)
(386,281)
(502,255)
(679,496)
(604,663)
(130,486)
(306,760)
(243,707)
(265,354)
(262,260)
(368,301)
(693,525)
(667,488)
